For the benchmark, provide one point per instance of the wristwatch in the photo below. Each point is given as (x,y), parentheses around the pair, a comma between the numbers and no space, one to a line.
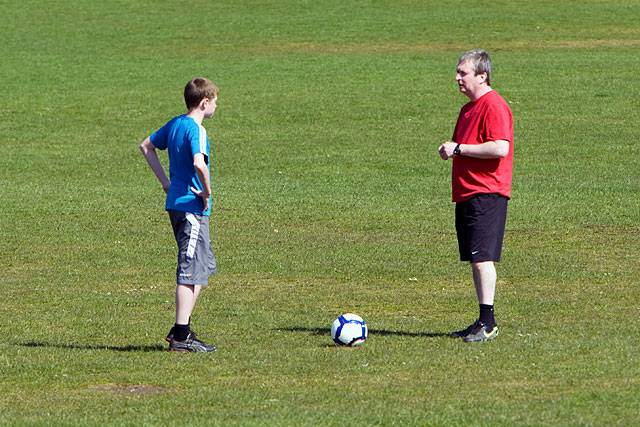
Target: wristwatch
(456,151)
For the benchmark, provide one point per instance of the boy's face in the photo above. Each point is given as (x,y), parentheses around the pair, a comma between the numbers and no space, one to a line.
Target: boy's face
(210,105)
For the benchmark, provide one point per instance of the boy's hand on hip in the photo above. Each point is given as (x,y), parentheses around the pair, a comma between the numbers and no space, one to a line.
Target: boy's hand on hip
(204,196)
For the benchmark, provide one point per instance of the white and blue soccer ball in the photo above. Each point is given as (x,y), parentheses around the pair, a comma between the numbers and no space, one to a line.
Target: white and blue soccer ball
(349,329)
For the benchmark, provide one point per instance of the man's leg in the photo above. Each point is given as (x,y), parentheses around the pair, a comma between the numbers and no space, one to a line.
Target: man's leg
(484,279)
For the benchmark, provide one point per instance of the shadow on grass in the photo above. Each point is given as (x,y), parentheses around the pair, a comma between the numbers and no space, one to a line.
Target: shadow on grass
(381,332)
(125,348)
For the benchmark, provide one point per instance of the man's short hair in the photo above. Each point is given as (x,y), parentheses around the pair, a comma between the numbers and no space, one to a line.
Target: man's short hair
(480,60)
(197,89)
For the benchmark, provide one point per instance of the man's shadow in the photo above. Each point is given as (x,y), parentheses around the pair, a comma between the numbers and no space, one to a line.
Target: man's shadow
(125,348)
(381,332)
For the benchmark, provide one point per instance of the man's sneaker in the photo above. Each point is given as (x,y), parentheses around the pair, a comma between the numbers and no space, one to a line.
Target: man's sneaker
(466,331)
(191,344)
(481,333)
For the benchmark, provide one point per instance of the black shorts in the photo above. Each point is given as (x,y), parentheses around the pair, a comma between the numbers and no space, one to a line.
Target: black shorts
(480,223)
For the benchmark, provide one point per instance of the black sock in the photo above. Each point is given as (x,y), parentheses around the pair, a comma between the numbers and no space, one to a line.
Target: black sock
(180,332)
(486,315)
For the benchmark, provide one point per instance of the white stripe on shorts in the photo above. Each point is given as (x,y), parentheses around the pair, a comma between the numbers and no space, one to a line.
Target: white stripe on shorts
(193,236)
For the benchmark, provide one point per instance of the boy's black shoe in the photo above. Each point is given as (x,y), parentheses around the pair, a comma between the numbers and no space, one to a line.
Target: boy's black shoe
(466,331)
(191,344)
(169,336)
(481,332)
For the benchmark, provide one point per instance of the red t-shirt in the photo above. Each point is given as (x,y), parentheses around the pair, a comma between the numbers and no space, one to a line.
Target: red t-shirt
(486,119)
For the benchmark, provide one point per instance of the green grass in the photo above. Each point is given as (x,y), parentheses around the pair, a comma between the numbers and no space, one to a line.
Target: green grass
(330,197)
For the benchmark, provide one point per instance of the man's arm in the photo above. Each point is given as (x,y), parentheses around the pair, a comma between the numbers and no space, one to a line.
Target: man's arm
(489,150)
(149,152)
(203,174)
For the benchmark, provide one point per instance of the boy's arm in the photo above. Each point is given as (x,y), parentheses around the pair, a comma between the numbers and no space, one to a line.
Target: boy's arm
(203,173)
(149,152)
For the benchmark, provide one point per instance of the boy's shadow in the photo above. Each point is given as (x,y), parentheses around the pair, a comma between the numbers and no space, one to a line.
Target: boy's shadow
(382,332)
(125,348)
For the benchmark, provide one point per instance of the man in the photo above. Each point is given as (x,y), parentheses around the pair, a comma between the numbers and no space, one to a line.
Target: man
(482,153)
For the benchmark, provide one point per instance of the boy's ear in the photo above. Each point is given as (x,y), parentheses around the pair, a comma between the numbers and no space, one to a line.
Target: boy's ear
(202,105)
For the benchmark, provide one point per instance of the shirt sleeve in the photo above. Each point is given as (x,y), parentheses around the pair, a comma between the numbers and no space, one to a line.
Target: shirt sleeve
(498,123)
(198,141)
(159,138)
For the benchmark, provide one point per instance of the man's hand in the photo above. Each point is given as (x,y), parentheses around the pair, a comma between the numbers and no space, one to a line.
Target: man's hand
(446,150)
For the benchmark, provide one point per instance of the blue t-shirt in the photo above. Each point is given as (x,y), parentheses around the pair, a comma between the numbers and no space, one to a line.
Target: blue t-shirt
(184,138)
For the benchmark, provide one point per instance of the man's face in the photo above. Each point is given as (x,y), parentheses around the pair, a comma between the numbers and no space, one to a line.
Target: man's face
(468,82)
(210,106)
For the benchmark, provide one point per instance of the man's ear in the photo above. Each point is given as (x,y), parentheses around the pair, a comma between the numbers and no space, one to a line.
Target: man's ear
(483,76)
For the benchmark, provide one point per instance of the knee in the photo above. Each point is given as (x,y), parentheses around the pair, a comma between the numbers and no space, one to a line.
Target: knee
(482,266)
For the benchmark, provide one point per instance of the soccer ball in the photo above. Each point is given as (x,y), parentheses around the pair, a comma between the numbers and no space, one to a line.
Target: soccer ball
(349,329)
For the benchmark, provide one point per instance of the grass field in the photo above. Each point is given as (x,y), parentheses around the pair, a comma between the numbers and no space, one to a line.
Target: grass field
(329,197)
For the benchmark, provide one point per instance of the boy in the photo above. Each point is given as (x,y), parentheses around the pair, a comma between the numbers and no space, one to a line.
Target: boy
(188,203)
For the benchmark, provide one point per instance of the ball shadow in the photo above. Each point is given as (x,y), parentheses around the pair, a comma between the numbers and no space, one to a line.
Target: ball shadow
(381,332)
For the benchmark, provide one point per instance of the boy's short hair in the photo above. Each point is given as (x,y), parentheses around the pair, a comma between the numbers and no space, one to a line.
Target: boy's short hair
(197,89)
(480,60)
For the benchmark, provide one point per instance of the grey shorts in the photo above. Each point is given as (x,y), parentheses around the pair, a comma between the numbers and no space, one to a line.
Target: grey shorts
(196,261)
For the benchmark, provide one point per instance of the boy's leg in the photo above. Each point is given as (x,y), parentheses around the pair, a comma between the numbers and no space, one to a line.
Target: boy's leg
(186,297)
(185,301)
(192,272)
(196,292)
(182,338)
